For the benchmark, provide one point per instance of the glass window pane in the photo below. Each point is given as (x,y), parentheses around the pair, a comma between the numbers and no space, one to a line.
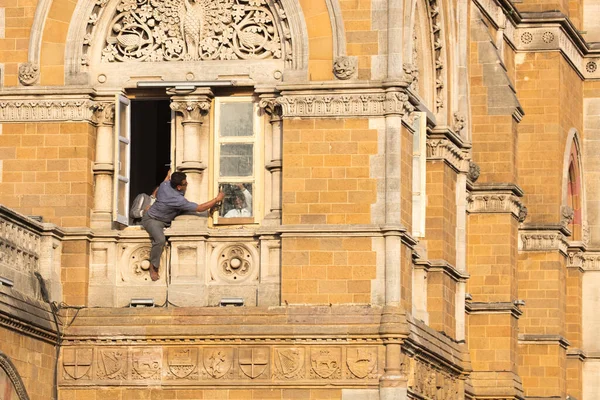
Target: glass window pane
(238,200)
(237,159)
(236,119)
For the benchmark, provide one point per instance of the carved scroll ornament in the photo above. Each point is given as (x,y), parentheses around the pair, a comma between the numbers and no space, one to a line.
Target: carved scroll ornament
(166,30)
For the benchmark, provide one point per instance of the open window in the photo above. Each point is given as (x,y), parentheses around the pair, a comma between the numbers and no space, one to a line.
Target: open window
(236,158)
(121,160)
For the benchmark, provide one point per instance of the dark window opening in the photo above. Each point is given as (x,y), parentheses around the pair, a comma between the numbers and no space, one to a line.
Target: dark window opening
(150,145)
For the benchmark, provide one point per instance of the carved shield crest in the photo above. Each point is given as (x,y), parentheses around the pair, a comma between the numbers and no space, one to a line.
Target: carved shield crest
(111,364)
(218,361)
(146,363)
(254,361)
(289,363)
(182,362)
(77,363)
(326,362)
(361,361)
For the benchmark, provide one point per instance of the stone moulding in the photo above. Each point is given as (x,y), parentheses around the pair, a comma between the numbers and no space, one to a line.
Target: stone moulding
(13,375)
(535,339)
(584,260)
(350,102)
(442,149)
(531,31)
(543,240)
(494,202)
(28,110)
(493,308)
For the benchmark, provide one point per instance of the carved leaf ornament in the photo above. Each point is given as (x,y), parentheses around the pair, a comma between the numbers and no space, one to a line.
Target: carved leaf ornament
(167,30)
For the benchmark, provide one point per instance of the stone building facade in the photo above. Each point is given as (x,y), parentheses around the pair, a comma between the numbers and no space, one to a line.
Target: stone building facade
(424,203)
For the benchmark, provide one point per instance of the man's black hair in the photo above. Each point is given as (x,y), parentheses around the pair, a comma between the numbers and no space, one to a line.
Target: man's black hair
(177,179)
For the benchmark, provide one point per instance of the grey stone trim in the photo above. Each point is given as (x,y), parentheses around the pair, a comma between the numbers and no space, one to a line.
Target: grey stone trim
(543,240)
(27,316)
(445,267)
(37,31)
(577,354)
(339,101)
(13,375)
(584,260)
(442,149)
(337,28)
(483,200)
(544,339)
(543,31)
(501,307)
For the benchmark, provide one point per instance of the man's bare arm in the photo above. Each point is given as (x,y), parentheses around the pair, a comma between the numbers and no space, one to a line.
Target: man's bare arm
(211,203)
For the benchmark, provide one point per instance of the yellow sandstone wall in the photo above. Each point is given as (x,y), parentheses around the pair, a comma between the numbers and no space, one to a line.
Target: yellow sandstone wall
(14,45)
(34,361)
(47,171)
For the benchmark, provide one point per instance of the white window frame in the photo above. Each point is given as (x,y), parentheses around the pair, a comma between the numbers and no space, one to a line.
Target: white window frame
(121,177)
(257,157)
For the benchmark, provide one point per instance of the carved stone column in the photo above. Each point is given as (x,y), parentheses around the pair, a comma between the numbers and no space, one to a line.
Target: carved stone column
(274,165)
(194,108)
(104,119)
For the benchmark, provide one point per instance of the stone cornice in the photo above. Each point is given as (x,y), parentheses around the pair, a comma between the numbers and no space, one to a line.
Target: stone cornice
(440,148)
(448,269)
(497,199)
(538,238)
(327,100)
(543,339)
(505,307)
(543,31)
(26,316)
(584,260)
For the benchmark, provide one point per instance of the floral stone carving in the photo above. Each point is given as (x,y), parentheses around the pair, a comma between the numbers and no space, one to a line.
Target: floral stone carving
(165,30)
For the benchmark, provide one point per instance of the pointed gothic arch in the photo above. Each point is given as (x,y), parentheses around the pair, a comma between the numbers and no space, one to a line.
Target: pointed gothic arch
(8,369)
(263,39)
(573,193)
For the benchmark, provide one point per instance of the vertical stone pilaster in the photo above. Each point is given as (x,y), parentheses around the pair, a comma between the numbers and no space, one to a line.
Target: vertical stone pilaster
(194,108)
(103,168)
(274,165)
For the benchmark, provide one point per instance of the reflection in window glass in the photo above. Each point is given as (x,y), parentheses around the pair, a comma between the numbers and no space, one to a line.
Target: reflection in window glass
(238,200)
(236,119)
(236,159)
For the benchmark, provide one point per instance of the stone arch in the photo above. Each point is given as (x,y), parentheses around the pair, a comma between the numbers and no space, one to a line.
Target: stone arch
(573,192)
(7,367)
(422,56)
(337,28)
(94,23)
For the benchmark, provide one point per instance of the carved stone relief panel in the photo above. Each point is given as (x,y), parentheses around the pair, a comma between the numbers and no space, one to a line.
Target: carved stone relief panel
(167,30)
(254,362)
(289,363)
(134,262)
(182,363)
(111,363)
(361,362)
(217,362)
(146,363)
(77,364)
(189,364)
(326,363)
(234,263)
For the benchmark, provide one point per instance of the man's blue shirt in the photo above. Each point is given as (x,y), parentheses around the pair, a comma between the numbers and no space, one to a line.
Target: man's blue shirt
(169,203)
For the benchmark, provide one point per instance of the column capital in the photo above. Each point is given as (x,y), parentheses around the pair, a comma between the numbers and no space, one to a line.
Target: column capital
(271,107)
(103,113)
(194,106)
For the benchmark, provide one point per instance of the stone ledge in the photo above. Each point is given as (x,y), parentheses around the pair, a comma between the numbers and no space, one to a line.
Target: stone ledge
(27,316)
(503,385)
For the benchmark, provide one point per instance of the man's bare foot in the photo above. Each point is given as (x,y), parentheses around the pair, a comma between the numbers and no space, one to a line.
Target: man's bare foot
(154,273)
